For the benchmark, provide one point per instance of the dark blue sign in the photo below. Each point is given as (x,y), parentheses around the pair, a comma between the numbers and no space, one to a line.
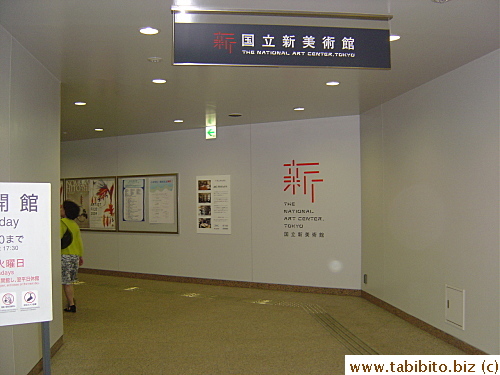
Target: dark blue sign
(273,45)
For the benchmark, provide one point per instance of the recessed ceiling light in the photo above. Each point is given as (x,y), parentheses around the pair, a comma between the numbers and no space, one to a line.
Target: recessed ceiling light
(99,129)
(179,121)
(333,83)
(235,115)
(393,38)
(299,109)
(80,103)
(149,31)
(159,81)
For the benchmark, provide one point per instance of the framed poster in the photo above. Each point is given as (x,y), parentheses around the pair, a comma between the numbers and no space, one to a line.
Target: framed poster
(213,198)
(97,201)
(148,203)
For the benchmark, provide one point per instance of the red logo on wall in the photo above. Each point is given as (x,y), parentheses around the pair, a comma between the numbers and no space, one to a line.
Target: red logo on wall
(301,178)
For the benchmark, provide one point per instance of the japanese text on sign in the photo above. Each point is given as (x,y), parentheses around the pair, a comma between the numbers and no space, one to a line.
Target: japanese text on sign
(25,253)
(280,45)
(226,41)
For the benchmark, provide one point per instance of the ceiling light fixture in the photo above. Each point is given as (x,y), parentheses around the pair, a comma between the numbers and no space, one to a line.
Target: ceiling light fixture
(235,115)
(99,129)
(299,109)
(158,80)
(440,1)
(80,103)
(149,31)
(393,38)
(178,121)
(333,83)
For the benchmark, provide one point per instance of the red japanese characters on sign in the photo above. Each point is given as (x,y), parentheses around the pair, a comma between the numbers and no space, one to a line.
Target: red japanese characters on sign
(11,263)
(301,178)
(224,41)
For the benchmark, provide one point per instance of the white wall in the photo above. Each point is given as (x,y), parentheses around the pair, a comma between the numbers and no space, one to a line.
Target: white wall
(253,155)
(29,152)
(430,172)
(329,261)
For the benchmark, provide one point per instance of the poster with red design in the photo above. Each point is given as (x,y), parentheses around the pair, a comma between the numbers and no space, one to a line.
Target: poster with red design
(102,204)
(97,201)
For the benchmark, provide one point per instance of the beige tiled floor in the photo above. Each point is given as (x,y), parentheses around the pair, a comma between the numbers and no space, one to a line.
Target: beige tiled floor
(163,328)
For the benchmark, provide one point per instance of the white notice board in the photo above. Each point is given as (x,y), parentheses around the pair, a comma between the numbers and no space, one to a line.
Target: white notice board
(25,253)
(214,204)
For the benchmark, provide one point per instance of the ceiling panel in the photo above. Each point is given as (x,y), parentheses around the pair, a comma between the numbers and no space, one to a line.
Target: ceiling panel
(95,49)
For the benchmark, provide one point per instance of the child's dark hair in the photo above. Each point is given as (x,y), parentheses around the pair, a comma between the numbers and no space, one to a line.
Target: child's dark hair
(71,209)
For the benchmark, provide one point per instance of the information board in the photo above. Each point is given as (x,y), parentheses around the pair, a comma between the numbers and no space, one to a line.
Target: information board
(148,203)
(25,253)
(213,199)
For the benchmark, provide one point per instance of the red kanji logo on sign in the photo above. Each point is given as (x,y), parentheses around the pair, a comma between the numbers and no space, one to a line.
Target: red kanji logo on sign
(224,41)
(301,178)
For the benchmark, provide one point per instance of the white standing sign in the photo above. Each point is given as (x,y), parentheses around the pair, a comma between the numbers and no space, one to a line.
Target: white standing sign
(25,253)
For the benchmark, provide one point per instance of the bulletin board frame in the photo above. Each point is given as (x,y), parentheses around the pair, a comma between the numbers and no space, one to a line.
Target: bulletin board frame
(96,197)
(148,203)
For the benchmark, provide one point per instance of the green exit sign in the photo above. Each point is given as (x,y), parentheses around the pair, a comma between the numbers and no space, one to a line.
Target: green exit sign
(210,132)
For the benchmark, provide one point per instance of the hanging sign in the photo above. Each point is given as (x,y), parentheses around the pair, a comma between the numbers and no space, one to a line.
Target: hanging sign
(25,253)
(277,45)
